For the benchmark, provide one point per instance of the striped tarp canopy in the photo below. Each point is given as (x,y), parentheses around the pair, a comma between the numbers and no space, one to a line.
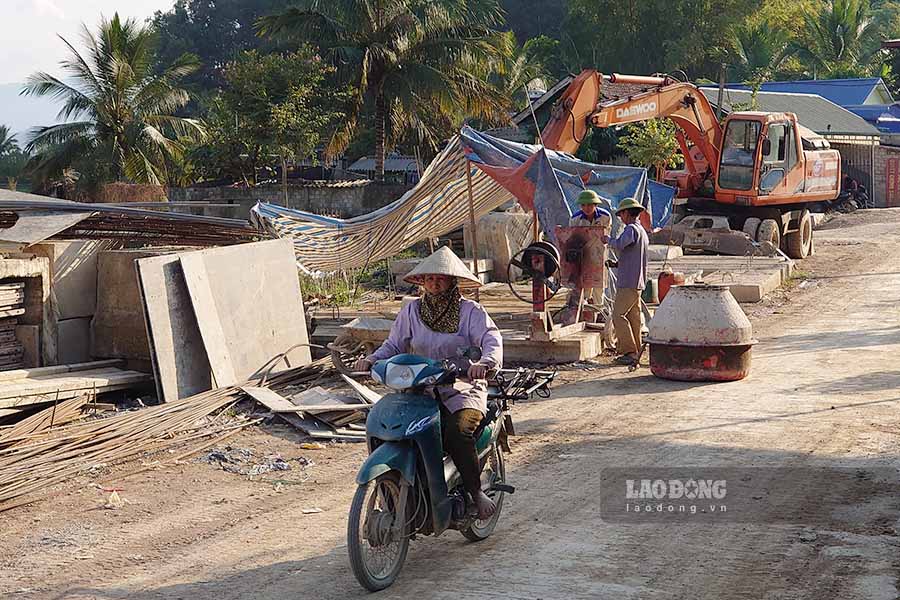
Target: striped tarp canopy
(438,204)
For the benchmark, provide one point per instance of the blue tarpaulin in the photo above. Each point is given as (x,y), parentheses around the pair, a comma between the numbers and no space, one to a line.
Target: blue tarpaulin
(571,176)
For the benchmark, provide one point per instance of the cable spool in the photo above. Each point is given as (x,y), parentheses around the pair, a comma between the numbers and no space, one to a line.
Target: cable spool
(523,260)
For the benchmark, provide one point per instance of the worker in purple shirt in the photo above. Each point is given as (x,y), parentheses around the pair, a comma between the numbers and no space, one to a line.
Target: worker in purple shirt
(631,246)
(436,326)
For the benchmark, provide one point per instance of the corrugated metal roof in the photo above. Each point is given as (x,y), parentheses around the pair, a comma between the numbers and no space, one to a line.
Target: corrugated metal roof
(845,92)
(391,164)
(813,111)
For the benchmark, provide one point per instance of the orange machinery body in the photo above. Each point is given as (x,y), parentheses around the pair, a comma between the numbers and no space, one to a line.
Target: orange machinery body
(754,159)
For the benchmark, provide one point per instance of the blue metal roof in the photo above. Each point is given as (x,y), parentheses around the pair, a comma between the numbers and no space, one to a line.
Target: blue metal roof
(844,92)
(886,117)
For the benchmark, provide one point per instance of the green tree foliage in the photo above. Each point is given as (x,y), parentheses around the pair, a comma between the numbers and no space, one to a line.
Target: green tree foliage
(120,123)
(651,143)
(8,141)
(216,31)
(648,36)
(520,68)
(760,51)
(600,145)
(547,52)
(837,39)
(273,106)
(533,18)
(12,159)
(417,62)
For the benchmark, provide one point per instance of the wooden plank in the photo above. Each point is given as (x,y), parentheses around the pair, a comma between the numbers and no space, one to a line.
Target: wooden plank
(14,312)
(318,395)
(34,387)
(178,353)
(365,394)
(25,401)
(271,400)
(208,319)
(55,370)
(323,408)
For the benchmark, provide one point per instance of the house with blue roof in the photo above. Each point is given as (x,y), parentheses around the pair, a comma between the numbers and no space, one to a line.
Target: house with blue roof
(843,92)
(867,97)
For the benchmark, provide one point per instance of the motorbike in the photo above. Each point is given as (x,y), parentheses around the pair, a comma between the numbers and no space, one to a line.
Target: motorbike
(407,486)
(851,199)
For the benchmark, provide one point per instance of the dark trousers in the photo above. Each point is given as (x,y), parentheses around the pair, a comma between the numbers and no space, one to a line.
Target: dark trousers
(457,432)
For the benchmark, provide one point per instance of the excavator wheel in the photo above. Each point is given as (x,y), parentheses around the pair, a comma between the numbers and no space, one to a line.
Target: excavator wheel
(751,226)
(798,244)
(769,231)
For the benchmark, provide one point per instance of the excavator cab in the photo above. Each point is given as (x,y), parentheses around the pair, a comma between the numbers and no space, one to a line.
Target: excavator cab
(740,144)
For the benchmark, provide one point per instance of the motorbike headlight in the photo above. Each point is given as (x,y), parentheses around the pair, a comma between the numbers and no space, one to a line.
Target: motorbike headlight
(399,377)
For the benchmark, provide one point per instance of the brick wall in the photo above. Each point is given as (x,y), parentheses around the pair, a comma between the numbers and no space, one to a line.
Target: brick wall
(887,176)
(343,201)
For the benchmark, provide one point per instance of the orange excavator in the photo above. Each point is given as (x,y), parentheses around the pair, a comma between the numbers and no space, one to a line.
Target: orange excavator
(757,173)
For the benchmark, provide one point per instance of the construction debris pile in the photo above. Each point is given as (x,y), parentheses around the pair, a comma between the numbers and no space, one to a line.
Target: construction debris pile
(47,448)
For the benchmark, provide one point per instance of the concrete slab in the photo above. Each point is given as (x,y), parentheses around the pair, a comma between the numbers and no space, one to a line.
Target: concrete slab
(218,316)
(118,329)
(74,340)
(749,279)
(664,252)
(179,358)
(73,275)
(257,308)
(580,346)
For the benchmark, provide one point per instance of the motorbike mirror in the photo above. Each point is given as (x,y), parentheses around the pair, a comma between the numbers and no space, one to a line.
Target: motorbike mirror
(473,353)
(767,147)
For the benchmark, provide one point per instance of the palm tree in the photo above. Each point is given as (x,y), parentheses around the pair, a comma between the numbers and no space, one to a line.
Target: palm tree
(519,71)
(118,113)
(417,61)
(836,39)
(8,142)
(761,50)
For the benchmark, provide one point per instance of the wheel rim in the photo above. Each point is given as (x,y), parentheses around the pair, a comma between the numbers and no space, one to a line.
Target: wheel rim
(380,546)
(806,232)
(497,470)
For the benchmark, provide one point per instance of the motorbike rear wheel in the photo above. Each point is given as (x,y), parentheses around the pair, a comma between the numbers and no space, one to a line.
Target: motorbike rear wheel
(480,530)
(377,550)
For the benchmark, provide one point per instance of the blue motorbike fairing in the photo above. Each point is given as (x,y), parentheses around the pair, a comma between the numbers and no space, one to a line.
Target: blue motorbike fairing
(412,422)
(389,456)
(391,416)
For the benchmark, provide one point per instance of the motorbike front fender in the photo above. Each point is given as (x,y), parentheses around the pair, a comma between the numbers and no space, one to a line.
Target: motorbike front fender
(389,456)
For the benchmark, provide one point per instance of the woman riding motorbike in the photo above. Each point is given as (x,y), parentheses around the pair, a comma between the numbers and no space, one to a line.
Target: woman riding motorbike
(436,326)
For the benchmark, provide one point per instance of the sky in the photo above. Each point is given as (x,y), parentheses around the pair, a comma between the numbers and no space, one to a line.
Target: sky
(28,39)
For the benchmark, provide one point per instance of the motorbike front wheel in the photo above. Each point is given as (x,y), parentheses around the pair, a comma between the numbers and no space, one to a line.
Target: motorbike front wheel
(377,548)
(496,469)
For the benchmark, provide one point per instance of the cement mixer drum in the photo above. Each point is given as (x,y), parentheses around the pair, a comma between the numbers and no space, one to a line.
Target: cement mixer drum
(700,333)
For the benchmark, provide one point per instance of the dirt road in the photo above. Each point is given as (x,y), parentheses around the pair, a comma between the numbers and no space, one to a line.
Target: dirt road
(823,392)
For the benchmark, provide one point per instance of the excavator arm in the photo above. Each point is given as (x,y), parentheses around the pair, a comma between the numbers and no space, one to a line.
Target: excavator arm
(682,102)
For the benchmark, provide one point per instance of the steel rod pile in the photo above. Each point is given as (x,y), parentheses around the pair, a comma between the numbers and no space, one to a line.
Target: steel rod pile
(119,222)
(40,422)
(27,470)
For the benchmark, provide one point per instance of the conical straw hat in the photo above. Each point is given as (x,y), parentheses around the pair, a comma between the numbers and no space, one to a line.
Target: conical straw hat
(443,262)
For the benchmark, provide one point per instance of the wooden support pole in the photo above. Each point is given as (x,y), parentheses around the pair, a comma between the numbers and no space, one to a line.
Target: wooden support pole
(472,223)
